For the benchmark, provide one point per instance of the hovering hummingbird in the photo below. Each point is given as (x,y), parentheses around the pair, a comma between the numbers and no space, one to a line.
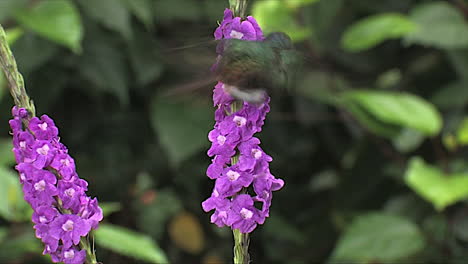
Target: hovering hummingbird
(251,69)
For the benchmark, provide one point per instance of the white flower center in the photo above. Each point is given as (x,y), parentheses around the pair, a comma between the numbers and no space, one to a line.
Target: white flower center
(42,219)
(44,150)
(43,126)
(240,121)
(222,214)
(69,254)
(22,176)
(221,139)
(68,226)
(65,162)
(70,192)
(256,153)
(40,186)
(22,144)
(236,34)
(215,193)
(232,175)
(246,213)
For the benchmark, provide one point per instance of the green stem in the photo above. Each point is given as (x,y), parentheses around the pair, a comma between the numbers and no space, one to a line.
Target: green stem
(13,76)
(22,100)
(241,241)
(238,7)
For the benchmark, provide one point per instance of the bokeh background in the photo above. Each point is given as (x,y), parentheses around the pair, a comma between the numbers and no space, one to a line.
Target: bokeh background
(370,141)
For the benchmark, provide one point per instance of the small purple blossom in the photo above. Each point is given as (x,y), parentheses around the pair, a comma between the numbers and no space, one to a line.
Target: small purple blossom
(62,212)
(233,135)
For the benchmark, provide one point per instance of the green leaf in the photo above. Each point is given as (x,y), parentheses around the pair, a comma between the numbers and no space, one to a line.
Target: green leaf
(451,96)
(395,108)
(104,65)
(12,205)
(376,237)
(462,132)
(110,207)
(440,25)
(17,246)
(408,140)
(113,14)
(272,16)
(375,29)
(129,243)
(298,3)
(13,34)
(142,9)
(9,7)
(57,20)
(168,11)
(153,217)
(182,125)
(435,186)
(6,154)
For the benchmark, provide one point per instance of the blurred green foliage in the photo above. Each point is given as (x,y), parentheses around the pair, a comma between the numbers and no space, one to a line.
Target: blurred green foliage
(371,142)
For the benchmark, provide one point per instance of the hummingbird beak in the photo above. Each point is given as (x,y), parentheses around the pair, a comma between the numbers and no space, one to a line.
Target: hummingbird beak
(255,96)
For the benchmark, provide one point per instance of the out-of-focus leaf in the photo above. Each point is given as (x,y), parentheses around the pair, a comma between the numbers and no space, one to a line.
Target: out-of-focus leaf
(435,186)
(110,207)
(377,237)
(462,132)
(13,34)
(14,248)
(408,140)
(145,58)
(401,109)
(186,232)
(440,24)
(451,96)
(182,125)
(6,154)
(12,205)
(9,7)
(113,14)
(323,180)
(153,217)
(104,65)
(129,243)
(142,9)
(459,59)
(57,20)
(389,79)
(32,51)
(169,10)
(3,234)
(288,232)
(375,29)
(272,16)
(298,3)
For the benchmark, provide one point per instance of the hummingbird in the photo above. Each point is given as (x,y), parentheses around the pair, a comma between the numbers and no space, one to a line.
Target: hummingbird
(252,69)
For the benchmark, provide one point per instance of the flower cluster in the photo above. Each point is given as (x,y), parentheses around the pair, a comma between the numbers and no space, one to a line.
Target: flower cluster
(233,138)
(62,211)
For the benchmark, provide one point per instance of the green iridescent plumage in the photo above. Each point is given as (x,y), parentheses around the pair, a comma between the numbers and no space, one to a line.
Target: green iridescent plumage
(250,68)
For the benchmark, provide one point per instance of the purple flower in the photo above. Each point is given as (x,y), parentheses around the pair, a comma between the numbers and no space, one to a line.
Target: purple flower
(222,206)
(234,27)
(232,180)
(52,187)
(238,160)
(73,256)
(90,211)
(244,216)
(64,164)
(43,128)
(41,190)
(69,229)
(70,192)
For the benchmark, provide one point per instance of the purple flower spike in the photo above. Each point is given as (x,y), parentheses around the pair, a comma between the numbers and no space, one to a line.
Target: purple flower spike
(63,214)
(233,135)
